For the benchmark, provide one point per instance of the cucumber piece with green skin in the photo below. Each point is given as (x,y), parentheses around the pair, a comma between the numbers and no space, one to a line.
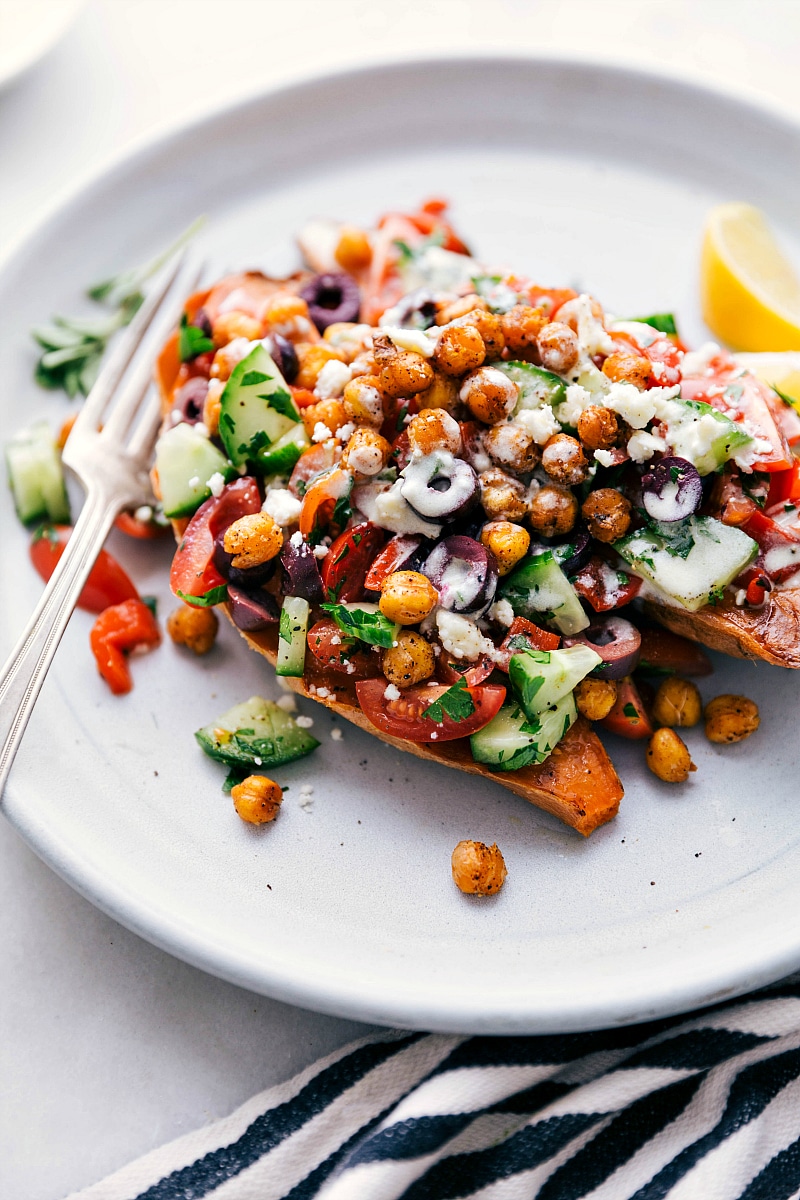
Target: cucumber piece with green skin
(536,386)
(541,679)
(36,476)
(688,561)
(282,455)
(539,588)
(512,740)
(185,462)
(292,636)
(707,454)
(256,408)
(256,733)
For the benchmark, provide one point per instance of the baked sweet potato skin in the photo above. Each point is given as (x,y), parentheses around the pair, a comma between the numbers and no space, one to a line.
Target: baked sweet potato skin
(769,634)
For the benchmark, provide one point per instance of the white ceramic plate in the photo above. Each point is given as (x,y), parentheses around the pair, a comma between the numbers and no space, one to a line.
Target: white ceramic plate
(575,174)
(29,29)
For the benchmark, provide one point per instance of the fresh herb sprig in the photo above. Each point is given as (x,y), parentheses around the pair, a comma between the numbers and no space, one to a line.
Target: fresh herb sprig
(456,703)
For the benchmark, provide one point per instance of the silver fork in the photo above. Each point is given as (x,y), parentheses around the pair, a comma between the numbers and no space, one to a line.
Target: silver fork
(112,465)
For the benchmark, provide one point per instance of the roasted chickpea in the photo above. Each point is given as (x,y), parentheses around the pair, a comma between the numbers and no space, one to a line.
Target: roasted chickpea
(628,368)
(730,718)
(460,348)
(451,310)
(230,325)
(225,359)
(212,406)
(521,326)
(490,327)
(407,597)
(595,698)
(564,460)
(511,447)
(677,702)
(478,869)
(405,374)
(193,627)
(489,395)
(253,540)
(508,543)
(312,357)
(331,413)
(257,799)
(569,313)
(366,453)
(363,400)
(607,513)
(598,428)
(410,661)
(443,393)
(353,250)
(558,347)
(553,511)
(668,757)
(349,339)
(434,429)
(503,498)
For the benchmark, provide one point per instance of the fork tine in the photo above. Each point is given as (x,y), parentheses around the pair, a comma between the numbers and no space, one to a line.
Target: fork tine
(146,427)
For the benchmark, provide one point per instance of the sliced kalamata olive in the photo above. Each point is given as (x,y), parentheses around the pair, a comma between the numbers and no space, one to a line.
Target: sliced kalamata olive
(439,485)
(331,298)
(573,554)
(464,573)
(416,310)
(253,610)
(301,575)
(248,577)
(616,641)
(672,490)
(190,398)
(284,355)
(202,321)
(222,560)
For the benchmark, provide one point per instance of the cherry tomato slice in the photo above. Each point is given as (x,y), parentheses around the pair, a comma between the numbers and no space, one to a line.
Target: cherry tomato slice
(743,396)
(347,562)
(107,583)
(450,670)
(405,718)
(666,357)
(524,635)
(628,718)
(663,651)
(118,630)
(397,552)
(336,652)
(605,587)
(784,486)
(193,576)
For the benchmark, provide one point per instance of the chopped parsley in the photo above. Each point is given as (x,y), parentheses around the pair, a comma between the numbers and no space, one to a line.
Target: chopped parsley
(455,703)
(663,322)
(192,340)
(285,627)
(631,711)
(370,627)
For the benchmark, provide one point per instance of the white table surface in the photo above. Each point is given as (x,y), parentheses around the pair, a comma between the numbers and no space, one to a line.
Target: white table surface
(109,1047)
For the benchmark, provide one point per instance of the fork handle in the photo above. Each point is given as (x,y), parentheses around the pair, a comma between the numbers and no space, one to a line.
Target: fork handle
(23,675)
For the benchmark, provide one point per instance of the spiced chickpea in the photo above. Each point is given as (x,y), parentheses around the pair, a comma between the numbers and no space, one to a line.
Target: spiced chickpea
(353,250)
(253,540)
(558,347)
(595,698)
(257,799)
(442,393)
(628,368)
(363,400)
(598,428)
(570,312)
(521,326)
(451,310)
(230,325)
(730,718)
(511,447)
(348,338)
(553,511)
(331,413)
(508,542)
(503,498)
(490,327)
(668,758)
(434,429)
(311,358)
(607,513)
(410,661)
(564,460)
(195,628)
(489,395)
(405,374)
(677,702)
(407,597)
(366,452)
(478,869)
(460,348)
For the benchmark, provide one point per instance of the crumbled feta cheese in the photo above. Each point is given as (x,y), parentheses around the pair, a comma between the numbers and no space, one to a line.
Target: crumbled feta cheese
(336,735)
(324,692)
(321,432)
(577,399)
(741,597)
(304,722)
(592,336)
(391,692)
(258,761)
(501,612)
(321,550)
(643,445)
(335,640)
(345,432)
(658,369)
(194,481)
(419,341)
(461,637)
(434,736)
(238,349)
(306,797)
(697,362)
(540,423)
(296,539)
(635,407)
(144,513)
(202,429)
(288,702)
(332,379)
(282,506)
(605,458)
(216,483)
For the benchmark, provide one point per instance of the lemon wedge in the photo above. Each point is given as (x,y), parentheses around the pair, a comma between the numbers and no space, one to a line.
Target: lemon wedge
(750,293)
(779,370)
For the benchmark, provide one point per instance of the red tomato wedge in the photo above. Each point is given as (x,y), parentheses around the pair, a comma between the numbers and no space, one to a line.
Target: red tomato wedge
(405,718)
(393,557)
(312,462)
(193,577)
(743,397)
(347,562)
(605,587)
(784,486)
(663,651)
(107,584)
(524,635)
(628,718)
(337,652)
(667,357)
(118,630)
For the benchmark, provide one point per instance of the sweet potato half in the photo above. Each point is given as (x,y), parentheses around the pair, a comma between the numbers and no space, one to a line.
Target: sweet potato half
(767,634)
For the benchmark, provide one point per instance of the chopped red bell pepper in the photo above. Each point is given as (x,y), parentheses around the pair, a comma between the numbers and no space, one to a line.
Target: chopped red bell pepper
(116,632)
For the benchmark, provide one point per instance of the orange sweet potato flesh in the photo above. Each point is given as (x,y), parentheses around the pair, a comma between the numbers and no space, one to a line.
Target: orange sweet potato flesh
(770,633)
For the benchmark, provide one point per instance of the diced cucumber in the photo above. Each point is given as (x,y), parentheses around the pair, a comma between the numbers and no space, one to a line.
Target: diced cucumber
(689,560)
(539,588)
(541,679)
(257,733)
(36,476)
(256,408)
(705,436)
(364,621)
(282,455)
(292,636)
(512,740)
(185,462)
(536,386)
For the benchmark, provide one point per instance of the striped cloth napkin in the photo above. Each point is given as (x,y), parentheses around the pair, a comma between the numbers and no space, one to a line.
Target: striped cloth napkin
(701,1108)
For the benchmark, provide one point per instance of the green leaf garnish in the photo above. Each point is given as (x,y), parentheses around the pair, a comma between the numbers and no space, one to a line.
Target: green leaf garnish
(285,626)
(192,341)
(456,703)
(215,596)
(631,711)
(663,322)
(370,627)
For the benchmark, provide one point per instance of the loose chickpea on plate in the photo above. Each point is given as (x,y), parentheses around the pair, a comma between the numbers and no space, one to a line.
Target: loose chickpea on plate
(478,869)
(730,718)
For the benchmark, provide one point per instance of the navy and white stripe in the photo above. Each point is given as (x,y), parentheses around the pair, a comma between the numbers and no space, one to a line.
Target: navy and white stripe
(703,1107)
